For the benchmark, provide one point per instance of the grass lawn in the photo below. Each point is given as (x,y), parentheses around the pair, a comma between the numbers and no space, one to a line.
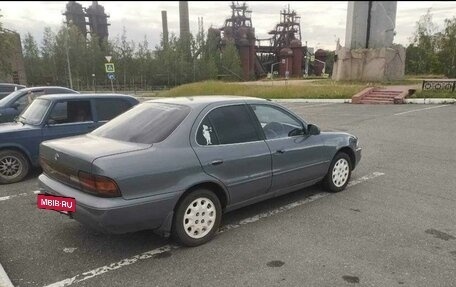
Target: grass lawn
(433,94)
(317,88)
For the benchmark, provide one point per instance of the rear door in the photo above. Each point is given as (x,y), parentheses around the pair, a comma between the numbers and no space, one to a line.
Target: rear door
(69,118)
(230,149)
(296,157)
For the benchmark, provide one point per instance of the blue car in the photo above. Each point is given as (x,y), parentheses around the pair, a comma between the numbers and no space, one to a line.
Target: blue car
(51,117)
(14,103)
(7,88)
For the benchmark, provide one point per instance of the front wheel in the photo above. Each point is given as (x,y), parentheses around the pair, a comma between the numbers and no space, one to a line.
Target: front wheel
(197,218)
(339,173)
(14,166)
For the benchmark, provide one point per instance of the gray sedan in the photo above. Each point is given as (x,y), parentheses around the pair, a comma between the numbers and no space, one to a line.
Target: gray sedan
(176,165)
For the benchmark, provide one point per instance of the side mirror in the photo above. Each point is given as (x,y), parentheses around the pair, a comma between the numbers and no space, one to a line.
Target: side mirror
(313,130)
(296,132)
(51,122)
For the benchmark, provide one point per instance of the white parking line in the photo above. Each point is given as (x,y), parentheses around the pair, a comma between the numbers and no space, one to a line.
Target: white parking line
(18,195)
(418,110)
(12,196)
(148,254)
(317,105)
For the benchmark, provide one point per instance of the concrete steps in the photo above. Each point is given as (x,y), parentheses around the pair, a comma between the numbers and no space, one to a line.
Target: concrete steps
(389,95)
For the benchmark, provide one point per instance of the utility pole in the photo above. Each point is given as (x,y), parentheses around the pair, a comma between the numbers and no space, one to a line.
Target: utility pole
(68,59)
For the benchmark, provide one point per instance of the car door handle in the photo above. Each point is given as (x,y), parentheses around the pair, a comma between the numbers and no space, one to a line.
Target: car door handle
(280,151)
(217,162)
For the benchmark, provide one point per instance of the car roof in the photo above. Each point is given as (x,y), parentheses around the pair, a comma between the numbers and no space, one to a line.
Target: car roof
(45,87)
(11,84)
(198,101)
(79,96)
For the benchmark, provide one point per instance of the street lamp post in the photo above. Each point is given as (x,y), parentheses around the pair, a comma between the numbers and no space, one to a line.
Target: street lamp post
(272,71)
(93,82)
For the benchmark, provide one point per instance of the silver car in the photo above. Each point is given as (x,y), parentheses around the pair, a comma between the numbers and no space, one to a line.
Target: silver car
(175,165)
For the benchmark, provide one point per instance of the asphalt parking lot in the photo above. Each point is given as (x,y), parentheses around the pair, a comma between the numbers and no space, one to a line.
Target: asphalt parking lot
(395,225)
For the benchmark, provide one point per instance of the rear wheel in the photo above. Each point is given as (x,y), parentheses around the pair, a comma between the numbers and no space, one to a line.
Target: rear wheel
(339,173)
(197,217)
(14,166)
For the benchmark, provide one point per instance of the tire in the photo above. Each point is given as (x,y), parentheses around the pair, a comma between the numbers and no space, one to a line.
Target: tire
(197,218)
(14,166)
(339,173)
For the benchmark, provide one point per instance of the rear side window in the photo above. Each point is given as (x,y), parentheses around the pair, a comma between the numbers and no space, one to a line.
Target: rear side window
(232,124)
(146,123)
(7,89)
(70,112)
(108,109)
(58,91)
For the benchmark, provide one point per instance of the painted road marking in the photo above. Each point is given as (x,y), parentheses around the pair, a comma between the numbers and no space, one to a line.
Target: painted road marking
(317,105)
(4,198)
(149,254)
(12,196)
(69,249)
(418,110)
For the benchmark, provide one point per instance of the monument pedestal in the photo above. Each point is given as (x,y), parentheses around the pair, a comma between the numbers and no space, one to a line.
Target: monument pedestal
(373,64)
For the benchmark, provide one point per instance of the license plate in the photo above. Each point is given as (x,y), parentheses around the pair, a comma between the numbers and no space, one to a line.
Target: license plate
(58,203)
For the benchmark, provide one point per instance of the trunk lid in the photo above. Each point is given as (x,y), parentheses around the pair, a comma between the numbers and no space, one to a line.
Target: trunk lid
(62,159)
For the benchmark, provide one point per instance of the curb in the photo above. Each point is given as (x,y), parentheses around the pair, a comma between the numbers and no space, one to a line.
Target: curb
(4,279)
(430,101)
(332,101)
(344,101)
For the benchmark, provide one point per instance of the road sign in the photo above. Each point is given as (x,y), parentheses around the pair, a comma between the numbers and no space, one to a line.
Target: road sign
(109,67)
(111,76)
(108,58)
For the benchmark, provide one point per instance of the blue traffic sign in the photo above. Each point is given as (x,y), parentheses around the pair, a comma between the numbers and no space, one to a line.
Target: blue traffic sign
(111,76)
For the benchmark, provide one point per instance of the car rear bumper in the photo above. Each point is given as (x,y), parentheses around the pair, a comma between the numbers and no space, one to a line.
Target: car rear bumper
(116,215)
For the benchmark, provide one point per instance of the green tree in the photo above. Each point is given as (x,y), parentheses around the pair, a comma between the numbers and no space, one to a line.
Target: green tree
(32,60)
(447,45)
(6,48)
(230,62)
(422,52)
(49,71)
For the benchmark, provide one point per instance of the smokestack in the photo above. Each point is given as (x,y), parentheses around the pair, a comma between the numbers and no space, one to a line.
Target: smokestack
(165,28)
(184,20)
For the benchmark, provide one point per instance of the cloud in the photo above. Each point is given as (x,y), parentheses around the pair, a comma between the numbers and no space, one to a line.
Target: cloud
(321,22)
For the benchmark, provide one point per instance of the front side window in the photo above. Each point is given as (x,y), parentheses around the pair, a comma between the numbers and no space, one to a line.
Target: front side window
(227,125)
(275,122)
(65,112)
(146,123)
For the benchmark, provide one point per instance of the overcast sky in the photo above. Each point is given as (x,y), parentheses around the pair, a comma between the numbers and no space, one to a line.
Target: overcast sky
(321,22)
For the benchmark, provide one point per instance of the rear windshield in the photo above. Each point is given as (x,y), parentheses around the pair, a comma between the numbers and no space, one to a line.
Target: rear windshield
(146,123)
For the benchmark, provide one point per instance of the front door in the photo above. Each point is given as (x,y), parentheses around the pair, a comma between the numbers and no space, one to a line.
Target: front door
(296,156)
(230,149)
(68,118)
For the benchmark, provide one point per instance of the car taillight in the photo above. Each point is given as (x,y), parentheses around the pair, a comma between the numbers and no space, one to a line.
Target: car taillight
(101,185)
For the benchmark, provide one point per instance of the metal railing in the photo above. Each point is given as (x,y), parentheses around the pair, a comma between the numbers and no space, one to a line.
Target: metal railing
(439,84)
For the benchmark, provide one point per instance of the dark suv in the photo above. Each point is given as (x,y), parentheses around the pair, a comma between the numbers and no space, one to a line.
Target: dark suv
(51,117)
(6,89)
(13,104)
